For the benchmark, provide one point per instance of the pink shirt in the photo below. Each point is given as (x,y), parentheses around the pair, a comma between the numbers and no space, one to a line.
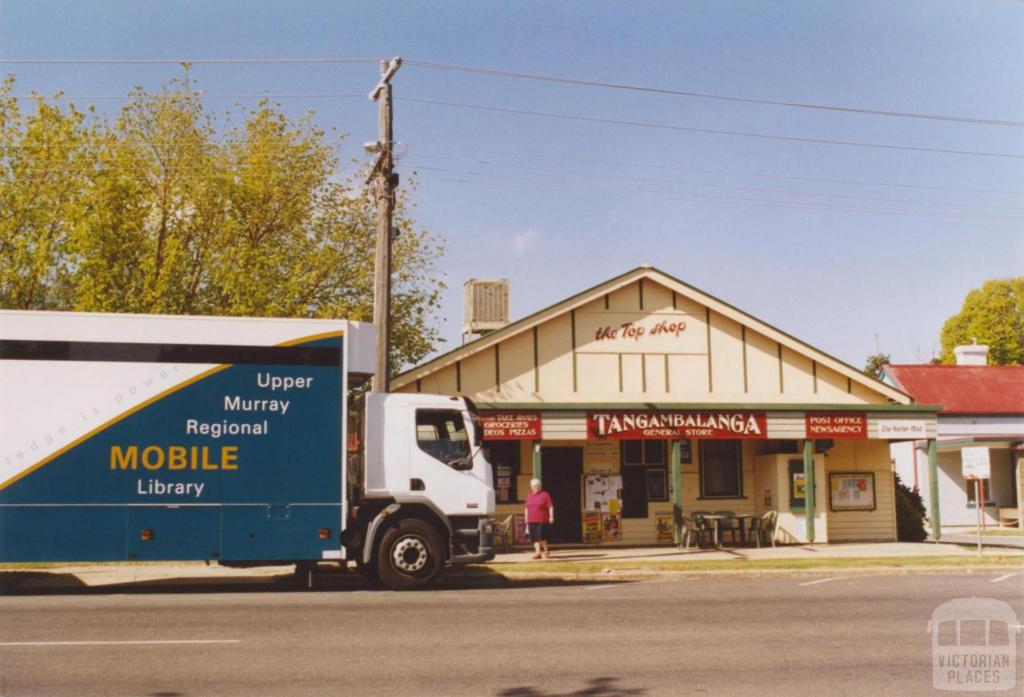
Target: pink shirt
(538,507)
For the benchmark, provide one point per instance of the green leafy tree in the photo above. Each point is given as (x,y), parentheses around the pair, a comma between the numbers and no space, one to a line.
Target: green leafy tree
(161,211)
(874,363)
(992,315)
(43,171)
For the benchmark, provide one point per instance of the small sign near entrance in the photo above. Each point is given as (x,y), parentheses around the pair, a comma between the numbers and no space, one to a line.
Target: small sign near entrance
(898,429)
(515,425)
(836,425)
(975,463)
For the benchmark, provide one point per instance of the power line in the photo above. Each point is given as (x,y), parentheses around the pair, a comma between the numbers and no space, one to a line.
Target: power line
(179,61)
(730,173)
(518,75)
(757,189)
(670,196)
(709,95)
(204,95)
(713,131)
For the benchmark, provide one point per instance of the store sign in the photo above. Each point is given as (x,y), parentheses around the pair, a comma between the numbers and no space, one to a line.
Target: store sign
(518,425)
(836,425)
(895,429)
(975,463)
(658,332)
(640,425)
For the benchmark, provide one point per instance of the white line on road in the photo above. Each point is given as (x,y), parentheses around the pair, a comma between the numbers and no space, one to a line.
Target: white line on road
(823,580)
(604,585)
(120,643)
(1003,578)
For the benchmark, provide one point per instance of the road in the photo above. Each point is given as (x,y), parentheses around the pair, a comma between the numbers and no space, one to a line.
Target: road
(699,636)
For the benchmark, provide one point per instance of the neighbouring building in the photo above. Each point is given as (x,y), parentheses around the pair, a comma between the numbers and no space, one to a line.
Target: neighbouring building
(982,407)
(644,398)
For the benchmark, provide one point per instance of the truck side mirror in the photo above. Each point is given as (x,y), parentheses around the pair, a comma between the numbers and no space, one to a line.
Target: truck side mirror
(461,463)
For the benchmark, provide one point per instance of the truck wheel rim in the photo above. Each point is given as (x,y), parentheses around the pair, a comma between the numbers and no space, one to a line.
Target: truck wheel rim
(410,555)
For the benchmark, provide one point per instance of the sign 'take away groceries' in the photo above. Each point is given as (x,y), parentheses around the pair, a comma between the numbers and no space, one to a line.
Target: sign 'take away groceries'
(632,425)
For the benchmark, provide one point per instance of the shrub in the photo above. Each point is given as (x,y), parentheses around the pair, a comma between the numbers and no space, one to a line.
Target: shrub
(909,514)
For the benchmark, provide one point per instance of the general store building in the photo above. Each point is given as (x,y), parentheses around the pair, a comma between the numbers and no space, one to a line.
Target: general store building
(644,398)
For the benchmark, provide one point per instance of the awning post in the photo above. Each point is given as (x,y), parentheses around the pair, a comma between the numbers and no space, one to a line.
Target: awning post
(536,461)
(809,487)
(677,492)
(933,489)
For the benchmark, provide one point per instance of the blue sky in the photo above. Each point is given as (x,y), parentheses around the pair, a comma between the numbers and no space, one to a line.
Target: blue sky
(833,243)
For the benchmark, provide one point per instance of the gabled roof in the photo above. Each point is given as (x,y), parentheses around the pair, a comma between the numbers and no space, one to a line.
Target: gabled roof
(672,283)
(963,389)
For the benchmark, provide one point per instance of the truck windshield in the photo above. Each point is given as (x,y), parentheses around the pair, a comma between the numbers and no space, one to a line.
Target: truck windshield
(442,434)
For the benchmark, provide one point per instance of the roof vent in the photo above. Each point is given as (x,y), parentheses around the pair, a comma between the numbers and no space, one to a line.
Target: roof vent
(485,305)
(975,354)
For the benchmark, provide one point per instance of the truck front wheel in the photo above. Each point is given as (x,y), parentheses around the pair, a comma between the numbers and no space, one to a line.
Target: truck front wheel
(409,555)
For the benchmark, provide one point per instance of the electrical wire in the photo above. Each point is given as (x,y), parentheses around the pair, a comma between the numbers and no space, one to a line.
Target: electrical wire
(757,189)
(707,95)
(693,129)
(179,61)
(547,187)
(729,173)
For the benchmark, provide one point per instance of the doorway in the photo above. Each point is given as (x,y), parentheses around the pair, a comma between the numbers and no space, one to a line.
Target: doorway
(562,471)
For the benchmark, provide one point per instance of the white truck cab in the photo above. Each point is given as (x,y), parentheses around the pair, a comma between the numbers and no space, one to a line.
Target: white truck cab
(428,492)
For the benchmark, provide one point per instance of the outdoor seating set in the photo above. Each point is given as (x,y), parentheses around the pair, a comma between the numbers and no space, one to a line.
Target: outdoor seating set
(708,528)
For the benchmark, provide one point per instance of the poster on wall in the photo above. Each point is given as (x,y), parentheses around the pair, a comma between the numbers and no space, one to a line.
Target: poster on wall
(503,483)
(591,527)
(610,530)
(665,529)
(601,456)
(602,492)
(852,491)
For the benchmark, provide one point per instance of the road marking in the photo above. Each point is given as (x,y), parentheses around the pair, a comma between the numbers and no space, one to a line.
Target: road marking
(605,585)
(823,580)
(1003,578)
(120,643)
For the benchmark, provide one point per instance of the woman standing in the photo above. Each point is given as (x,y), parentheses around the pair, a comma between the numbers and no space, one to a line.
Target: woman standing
(540,515)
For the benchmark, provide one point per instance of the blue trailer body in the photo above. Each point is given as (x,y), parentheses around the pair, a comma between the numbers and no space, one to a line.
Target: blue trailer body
(240,461)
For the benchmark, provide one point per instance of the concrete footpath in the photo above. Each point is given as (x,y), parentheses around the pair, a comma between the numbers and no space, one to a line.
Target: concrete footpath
(518,564)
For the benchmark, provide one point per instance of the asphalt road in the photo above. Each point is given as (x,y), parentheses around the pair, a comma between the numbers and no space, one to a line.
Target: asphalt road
(699,636)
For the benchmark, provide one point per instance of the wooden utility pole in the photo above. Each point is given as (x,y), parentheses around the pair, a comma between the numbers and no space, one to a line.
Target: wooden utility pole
(384,182)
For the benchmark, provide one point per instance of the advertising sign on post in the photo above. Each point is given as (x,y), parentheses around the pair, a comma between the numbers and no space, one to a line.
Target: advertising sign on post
(975,463)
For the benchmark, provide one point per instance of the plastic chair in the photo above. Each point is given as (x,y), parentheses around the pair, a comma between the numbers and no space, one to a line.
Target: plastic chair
(694,527)
(730,525)
(764,528)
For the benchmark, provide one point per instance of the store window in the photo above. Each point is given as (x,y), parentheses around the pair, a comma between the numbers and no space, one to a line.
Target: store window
(442,434)
(504,458)
(644,476)
(972,493)
(721,469)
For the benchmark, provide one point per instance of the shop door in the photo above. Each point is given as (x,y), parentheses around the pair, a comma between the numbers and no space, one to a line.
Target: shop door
(562,471)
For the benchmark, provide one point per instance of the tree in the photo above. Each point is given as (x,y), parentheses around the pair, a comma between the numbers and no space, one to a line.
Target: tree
(992,315)
(873,364)
(163,211)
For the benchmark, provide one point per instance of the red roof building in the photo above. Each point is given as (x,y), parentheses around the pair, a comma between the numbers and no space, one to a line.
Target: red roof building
(963,389)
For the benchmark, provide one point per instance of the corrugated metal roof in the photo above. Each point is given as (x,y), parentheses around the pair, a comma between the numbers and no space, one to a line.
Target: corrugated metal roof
(963,389)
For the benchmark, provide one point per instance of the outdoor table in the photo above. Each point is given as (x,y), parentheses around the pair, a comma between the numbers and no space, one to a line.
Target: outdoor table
(716,518)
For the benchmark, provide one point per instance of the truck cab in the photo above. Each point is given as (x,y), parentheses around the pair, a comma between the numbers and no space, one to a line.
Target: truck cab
(426,493)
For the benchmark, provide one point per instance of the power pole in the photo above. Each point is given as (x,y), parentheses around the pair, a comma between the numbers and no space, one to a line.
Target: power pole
(384,182)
